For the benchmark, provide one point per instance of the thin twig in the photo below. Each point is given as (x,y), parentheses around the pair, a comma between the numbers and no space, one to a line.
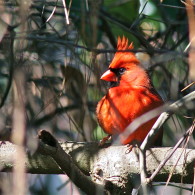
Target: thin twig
(52,13)
(188,86)
(99,51)
(160,121)
(165,115)
(169,155)
(171,6)
(87,5)
(156,127)
(184,148)
(66,12)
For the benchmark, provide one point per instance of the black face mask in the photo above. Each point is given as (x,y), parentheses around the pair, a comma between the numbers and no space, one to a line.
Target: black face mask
(118,72)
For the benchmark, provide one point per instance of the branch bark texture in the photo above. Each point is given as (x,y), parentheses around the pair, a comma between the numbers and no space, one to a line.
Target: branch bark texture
(111,164)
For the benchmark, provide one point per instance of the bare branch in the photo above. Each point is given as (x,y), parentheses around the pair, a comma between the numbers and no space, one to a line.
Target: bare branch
(105,165)
(50,146)
(156,127)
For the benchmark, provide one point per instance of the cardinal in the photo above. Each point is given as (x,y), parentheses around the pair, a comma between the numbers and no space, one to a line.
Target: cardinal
(131,94)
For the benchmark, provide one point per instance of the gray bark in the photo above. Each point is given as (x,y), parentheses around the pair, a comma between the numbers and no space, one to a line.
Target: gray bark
(106,164)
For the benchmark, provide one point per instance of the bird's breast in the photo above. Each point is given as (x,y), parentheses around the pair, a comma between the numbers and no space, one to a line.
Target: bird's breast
(113,112)
(120,106)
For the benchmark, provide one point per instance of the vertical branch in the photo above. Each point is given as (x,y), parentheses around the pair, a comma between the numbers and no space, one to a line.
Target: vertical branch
(193,187)
(19,101)
(18,133)
(66,12)
(143,175)
(191,21)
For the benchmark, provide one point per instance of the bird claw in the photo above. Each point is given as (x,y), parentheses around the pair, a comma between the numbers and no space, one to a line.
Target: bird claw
(104,140)
(130,148)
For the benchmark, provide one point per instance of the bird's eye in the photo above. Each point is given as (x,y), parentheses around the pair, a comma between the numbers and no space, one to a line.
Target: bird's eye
(121,70)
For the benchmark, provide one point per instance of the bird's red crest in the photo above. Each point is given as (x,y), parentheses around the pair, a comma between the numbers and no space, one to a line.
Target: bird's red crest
(120,57)
(123,44)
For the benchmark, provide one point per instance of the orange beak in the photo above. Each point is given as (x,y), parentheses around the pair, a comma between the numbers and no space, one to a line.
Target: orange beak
(109,76)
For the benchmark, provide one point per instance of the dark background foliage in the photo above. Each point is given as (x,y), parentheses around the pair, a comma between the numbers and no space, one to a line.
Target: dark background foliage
(58,65)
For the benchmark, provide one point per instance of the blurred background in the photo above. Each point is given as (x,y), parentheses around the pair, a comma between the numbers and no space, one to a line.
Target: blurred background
(52,54)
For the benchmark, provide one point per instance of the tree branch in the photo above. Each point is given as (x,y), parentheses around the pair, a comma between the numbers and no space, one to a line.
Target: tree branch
(184,101)
(50,146)
(110,166)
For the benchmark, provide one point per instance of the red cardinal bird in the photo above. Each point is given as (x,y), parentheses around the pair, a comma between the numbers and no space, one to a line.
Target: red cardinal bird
(131,94)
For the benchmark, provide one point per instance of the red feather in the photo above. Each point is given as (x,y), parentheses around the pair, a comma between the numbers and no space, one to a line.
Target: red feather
(131,96)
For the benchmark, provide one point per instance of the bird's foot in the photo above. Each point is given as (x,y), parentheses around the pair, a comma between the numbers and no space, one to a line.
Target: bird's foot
(130,148)
(104,140)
